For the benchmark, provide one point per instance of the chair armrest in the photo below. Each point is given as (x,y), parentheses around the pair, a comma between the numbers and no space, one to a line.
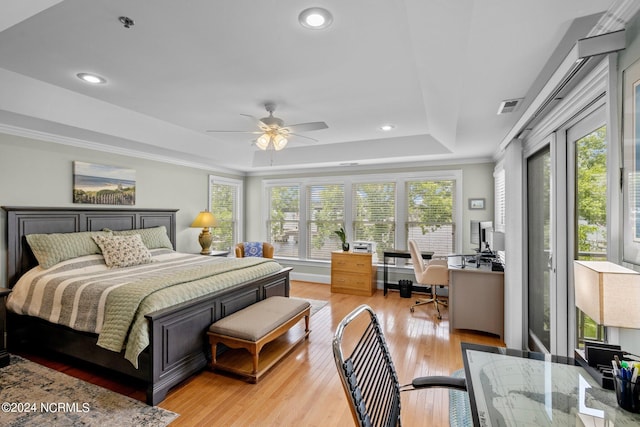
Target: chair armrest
(441,382)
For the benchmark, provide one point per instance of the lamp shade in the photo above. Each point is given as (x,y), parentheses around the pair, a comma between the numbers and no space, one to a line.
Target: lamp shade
(203,220)
(608,293)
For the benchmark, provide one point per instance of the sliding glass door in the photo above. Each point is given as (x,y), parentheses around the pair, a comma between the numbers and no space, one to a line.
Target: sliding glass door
(587,142)
(539,232)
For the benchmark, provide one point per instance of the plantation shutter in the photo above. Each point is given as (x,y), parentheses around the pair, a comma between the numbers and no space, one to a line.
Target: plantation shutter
(430,211)
(499,191)
(325,210)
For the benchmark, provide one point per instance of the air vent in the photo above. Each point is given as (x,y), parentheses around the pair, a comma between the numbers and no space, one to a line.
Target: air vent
(509,105)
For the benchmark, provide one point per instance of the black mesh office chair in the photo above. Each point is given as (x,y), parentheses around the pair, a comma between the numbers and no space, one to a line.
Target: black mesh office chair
(368,374)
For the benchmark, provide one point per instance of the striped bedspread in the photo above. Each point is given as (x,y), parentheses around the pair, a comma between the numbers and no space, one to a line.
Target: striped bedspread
(85,295)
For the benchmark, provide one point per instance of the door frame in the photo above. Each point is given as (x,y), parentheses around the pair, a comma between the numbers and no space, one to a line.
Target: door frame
(591,93)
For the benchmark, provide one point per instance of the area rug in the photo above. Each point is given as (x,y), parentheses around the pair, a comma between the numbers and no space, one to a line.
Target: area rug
(34,395)
(459,408)
(316,304)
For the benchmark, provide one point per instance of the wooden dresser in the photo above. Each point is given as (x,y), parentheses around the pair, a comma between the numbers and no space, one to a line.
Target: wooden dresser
(353,273)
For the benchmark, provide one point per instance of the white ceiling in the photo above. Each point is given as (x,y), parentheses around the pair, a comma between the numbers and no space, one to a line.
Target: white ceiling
(436,69)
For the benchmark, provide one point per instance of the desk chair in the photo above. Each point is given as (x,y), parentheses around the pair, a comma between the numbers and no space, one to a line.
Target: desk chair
(246,249)
(367,372)
(435,273)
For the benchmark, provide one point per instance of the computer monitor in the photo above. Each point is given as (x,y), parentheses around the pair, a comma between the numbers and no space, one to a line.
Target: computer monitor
(484,230)
(475,236)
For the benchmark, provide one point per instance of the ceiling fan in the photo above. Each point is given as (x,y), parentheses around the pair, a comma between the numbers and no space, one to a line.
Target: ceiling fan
(273,134)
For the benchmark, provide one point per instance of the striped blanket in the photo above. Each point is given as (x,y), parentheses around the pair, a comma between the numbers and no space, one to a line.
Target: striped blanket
(85,295)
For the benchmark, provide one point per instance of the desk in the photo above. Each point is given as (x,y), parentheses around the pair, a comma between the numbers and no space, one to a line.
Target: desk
(398,254)
(476,299)
(510,387)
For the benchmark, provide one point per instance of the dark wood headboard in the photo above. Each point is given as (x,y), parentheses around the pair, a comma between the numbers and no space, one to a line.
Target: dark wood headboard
(36,220)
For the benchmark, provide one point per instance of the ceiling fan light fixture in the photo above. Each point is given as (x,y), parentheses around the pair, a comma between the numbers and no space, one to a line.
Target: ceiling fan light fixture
(279,142)
(263,141)
(315,18)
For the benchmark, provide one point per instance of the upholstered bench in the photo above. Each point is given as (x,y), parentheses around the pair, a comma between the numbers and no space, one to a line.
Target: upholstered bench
(253,327)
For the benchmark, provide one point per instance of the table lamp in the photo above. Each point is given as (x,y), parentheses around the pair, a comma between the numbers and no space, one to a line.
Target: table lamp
(205,219)
(608,293)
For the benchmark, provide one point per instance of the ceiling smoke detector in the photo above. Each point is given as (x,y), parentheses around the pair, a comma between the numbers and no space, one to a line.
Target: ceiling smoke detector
(509,105)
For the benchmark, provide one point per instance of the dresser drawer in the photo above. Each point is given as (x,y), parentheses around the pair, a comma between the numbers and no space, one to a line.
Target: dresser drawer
(354,263)
(352,281)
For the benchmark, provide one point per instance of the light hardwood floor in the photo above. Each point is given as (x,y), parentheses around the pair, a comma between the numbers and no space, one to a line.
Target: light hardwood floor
(304,388)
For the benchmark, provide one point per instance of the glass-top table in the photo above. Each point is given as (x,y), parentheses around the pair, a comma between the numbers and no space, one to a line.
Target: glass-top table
(518,388)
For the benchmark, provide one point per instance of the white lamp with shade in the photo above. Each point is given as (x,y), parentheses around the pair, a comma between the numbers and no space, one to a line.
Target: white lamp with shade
(205,220)
(608,293)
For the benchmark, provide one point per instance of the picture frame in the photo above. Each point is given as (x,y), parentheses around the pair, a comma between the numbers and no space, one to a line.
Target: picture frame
(631,151)
(103,184)
(476,204)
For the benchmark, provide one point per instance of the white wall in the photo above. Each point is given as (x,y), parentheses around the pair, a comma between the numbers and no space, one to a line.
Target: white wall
(37,173)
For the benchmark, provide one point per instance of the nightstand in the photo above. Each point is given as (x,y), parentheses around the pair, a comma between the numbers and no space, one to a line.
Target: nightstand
(4,355)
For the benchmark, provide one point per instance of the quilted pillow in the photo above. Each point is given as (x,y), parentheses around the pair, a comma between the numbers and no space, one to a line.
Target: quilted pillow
(50,249)
(153,238)
(123,251)
(253,249)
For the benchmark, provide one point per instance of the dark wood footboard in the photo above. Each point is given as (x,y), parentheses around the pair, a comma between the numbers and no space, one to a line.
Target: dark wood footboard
(178,345)
(178,334)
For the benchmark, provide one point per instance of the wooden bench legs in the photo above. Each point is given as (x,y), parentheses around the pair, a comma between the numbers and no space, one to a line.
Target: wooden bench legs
(254,368)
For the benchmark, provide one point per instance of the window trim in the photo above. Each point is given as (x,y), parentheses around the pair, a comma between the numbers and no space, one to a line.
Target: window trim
(239,208)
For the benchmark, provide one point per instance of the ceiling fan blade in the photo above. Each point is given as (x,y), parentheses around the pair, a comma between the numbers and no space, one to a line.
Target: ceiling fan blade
(262,125)
(306,127)
(236,131)
(302,136)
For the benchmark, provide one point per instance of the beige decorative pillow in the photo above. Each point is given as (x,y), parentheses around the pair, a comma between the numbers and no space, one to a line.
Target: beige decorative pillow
(153,238)
(123,251)
(50,249)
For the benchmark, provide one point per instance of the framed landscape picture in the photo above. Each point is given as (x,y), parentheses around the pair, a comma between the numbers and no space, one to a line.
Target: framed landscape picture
(476,203)
(103,184)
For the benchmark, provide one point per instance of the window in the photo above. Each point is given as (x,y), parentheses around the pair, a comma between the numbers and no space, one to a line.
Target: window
(303,214)
(325,215)
(430,220)
(225,203)
(283,225)
(374,214)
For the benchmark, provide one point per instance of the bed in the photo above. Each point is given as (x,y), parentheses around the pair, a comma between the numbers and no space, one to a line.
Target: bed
(176,334)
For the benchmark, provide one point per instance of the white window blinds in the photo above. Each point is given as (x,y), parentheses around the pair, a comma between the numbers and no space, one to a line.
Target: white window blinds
(283,224)
(224,204)
(374,214)
(325,214)
(430,215)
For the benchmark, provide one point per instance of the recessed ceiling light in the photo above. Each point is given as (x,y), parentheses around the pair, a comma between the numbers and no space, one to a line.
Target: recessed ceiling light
(387,127)
(91,78)
(315,18)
